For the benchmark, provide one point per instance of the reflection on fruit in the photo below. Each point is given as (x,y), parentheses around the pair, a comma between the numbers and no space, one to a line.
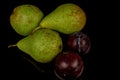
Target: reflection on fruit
(68,65)
(79,42)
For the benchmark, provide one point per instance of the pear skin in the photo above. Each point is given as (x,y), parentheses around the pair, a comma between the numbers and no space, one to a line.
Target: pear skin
(43,45)
(66,18)
(25,18)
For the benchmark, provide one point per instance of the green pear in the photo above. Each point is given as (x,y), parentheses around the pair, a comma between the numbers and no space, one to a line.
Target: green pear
(25,18)
(66,18)
(43,45)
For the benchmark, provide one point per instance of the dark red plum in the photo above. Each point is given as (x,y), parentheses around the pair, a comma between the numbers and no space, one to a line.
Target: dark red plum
(68,66)
(79,42)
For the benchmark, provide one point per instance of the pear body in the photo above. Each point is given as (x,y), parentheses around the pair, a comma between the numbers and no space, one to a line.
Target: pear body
(25,18)
(43,45)
(66,18)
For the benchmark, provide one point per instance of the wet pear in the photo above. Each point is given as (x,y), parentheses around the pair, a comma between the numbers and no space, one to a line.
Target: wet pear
(43,45)
(25,18)
(66,18)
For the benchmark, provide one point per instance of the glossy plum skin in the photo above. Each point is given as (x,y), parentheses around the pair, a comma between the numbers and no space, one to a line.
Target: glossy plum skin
(79,42)
(68,66)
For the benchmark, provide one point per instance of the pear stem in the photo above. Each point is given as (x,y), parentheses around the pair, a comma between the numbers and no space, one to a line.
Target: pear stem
(35,29)
(9,46)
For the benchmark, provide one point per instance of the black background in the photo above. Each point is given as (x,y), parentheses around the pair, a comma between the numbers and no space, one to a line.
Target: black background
(15,66)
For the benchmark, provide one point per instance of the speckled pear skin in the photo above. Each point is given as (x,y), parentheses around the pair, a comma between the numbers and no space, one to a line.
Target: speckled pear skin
(25,18)
(43,45)
(66,18)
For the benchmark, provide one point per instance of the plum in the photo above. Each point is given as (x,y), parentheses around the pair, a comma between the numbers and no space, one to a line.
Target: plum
(79,42)
(68,65)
